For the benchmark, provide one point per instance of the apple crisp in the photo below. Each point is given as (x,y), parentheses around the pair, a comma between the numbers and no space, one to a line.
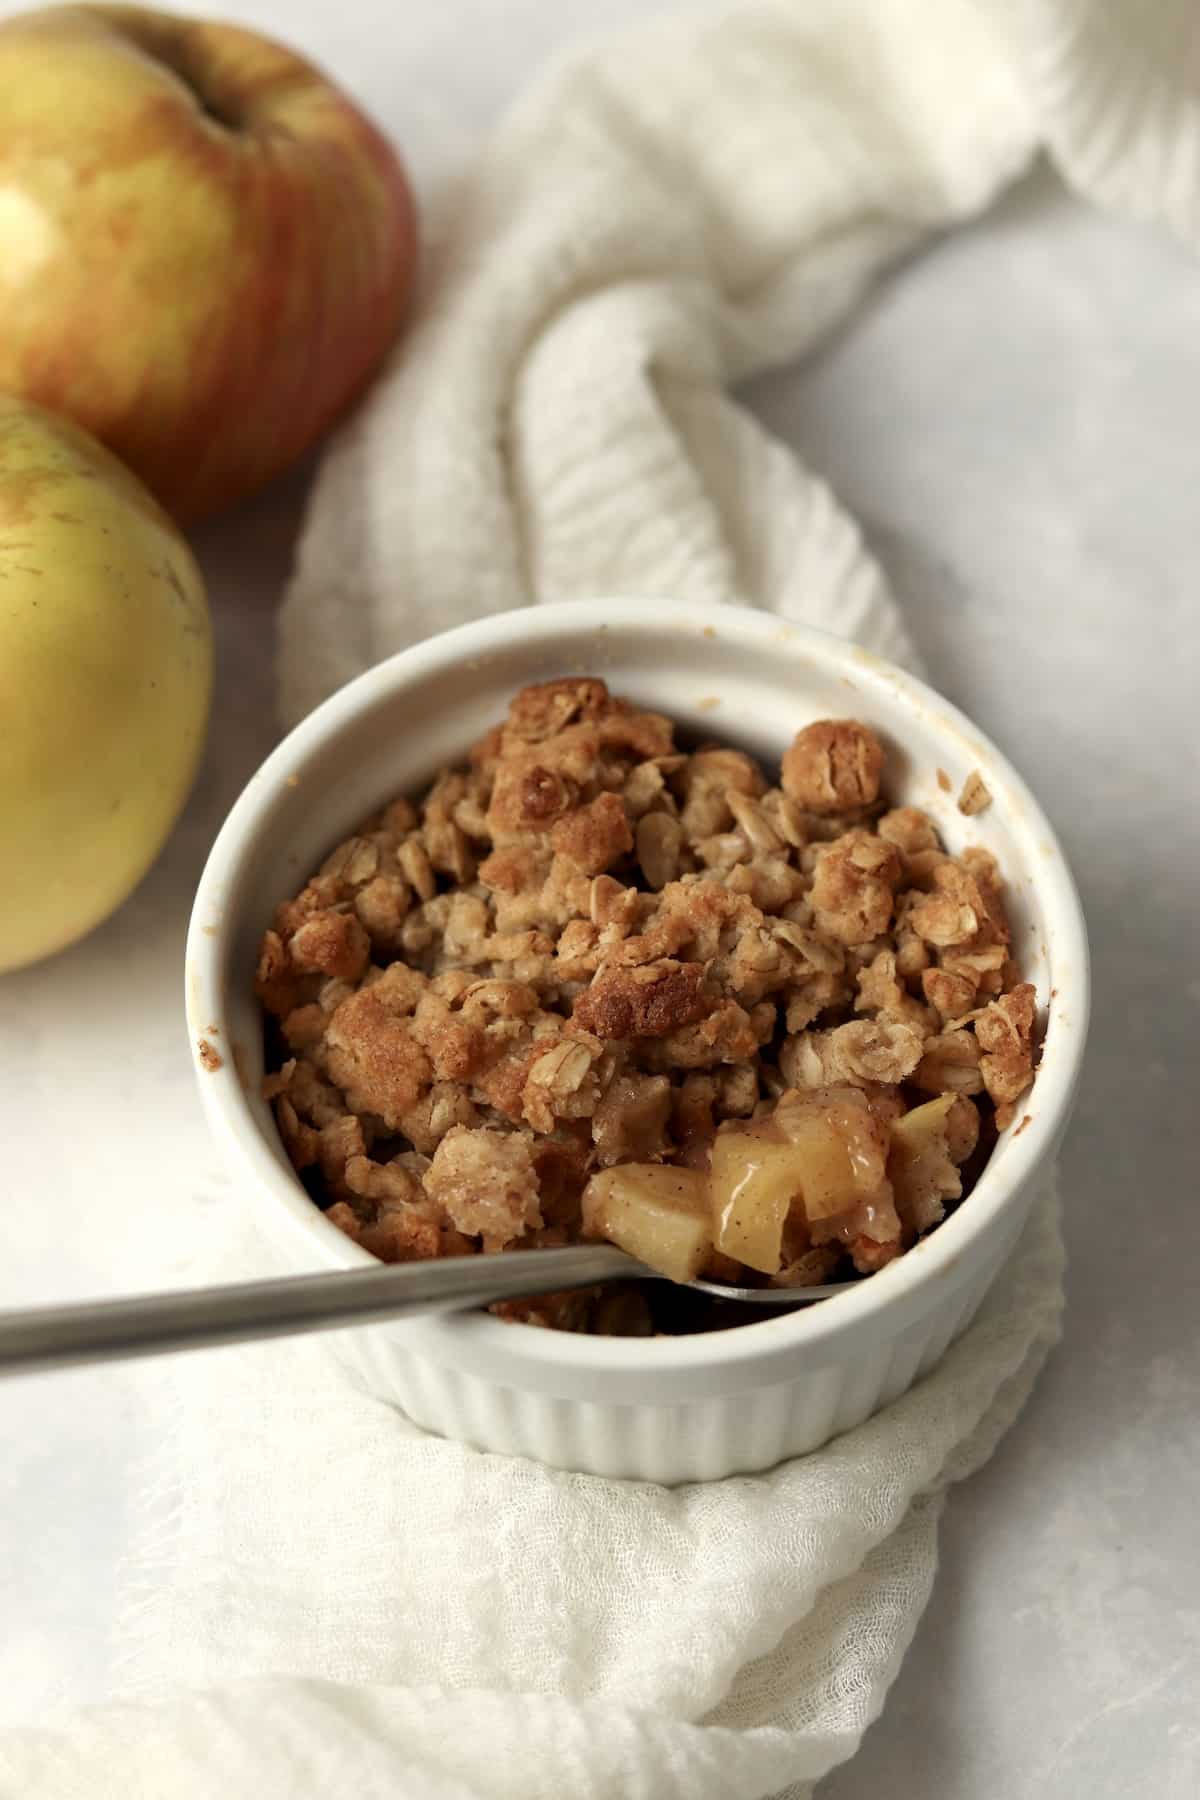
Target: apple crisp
(594,984)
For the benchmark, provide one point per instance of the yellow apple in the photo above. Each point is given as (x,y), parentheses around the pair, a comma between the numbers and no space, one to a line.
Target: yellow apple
(205,247)
(105,676)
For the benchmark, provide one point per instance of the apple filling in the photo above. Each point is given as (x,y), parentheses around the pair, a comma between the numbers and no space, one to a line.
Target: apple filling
(819,1168)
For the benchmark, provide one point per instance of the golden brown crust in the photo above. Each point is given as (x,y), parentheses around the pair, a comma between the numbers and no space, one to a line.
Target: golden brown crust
(709,780)
(330,943)
(1004,1031)
(486,1181)
(594,836)
(374,1058)
(950,995)
(647,1001)
(547,708)
(909,829)
(529,796)
(275,981)
(854,887)
(833,766)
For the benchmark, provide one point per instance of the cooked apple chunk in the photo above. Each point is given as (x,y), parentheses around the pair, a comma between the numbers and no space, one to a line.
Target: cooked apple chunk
(815,1162)
(755,1180)
(657,1212)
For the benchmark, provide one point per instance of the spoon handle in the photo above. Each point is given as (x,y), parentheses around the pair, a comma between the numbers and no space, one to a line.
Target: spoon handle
(55,1337)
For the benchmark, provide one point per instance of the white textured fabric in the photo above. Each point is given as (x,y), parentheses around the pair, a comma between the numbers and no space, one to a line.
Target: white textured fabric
(657,220)
(331,1599)
(388,1614)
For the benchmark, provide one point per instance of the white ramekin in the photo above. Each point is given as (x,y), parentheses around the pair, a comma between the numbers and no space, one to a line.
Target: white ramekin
(660,1409)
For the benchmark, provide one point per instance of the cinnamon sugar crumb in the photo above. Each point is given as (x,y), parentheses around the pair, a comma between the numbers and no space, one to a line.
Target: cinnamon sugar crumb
(210,1057)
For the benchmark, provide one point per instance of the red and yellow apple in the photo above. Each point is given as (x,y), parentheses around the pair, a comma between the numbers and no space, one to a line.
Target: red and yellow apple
(205,247)
(105,674)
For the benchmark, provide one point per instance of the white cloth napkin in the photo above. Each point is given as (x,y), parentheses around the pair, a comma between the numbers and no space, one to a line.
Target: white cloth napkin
(411,1620)
(327,1598)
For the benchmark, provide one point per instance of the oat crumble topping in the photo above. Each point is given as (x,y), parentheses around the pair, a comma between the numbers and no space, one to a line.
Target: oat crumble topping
(593,984)
(975,796)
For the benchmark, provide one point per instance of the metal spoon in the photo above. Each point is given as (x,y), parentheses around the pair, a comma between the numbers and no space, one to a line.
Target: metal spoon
(54,1337)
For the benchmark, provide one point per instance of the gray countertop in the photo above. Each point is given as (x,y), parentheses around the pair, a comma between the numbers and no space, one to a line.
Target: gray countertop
(1014,418)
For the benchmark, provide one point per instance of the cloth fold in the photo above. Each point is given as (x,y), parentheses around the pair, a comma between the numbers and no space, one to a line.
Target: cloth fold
(657,220)
(327,1595)
(459,1624)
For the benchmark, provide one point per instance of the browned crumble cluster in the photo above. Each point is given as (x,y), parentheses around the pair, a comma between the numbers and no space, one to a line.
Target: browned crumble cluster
(589,949)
